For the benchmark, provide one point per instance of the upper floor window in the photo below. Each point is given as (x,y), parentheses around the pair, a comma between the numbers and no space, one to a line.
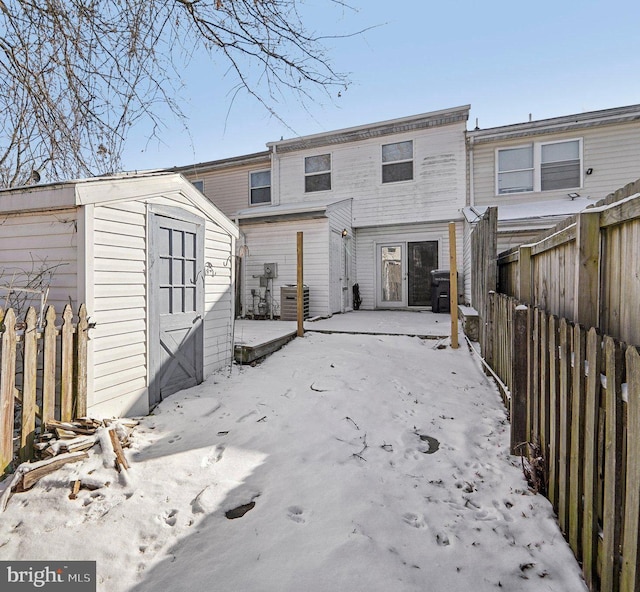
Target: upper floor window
(397,162)
(317,173)
(199,185)
(260,187)
(539,167)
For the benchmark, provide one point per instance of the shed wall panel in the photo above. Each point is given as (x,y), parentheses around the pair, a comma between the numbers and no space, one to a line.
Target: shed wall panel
(54,252)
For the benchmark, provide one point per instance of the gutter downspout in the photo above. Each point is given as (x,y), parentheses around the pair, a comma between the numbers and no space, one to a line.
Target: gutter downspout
(472,195)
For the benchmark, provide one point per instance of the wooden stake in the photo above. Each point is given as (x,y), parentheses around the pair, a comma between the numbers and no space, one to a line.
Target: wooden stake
(453,283)
(300,293)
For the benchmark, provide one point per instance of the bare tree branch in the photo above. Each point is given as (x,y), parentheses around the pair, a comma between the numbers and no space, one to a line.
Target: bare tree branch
(76,75)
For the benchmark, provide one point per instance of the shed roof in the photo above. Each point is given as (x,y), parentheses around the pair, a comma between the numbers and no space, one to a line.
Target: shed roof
(111,189)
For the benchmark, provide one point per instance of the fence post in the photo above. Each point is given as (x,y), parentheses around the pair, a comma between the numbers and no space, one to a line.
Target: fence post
(82,336)
(7,386)
(519,379)
(586,301)
(300,291)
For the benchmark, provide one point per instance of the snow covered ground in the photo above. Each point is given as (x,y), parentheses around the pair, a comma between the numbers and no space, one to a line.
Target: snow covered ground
(370,463)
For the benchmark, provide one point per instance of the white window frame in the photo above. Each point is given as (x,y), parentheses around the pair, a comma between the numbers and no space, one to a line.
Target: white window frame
(399,161)
(328,171)
(537,166)
(251,188)
(201,181)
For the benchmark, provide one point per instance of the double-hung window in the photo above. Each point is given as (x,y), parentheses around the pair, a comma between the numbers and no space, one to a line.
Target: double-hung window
(260,187)
(541,166)
(317,173)
(397,162)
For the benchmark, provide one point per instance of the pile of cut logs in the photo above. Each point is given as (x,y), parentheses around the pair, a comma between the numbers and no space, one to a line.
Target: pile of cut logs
(68,442)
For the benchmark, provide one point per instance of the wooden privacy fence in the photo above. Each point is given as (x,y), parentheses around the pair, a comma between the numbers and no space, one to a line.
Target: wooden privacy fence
(576,394)
(586,269)
(483,264)
(44,370)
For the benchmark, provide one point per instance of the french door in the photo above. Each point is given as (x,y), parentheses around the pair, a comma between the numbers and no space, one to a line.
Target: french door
(404,273)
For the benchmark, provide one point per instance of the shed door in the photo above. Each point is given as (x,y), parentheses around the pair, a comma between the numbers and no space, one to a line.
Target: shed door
(176,302)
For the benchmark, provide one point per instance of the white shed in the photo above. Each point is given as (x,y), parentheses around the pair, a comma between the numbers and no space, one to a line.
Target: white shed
(151,258)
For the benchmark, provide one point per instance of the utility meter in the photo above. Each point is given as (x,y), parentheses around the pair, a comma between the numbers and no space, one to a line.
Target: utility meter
(271,270)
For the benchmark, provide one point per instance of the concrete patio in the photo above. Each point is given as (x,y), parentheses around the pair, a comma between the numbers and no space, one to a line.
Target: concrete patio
(255,339)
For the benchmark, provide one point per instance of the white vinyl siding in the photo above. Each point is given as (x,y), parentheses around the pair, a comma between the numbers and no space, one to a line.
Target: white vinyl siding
(33,242)
(276,243)
(120,305)
(611,151)
(228,188)
(437,193)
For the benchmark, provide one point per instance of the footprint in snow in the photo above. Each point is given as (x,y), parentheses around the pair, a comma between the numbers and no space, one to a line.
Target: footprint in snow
(245,416)
(214,457)
(414,520)
(170,518)
(295,513)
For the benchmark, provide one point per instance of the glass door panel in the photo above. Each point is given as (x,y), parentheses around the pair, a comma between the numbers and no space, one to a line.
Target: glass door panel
(391,275)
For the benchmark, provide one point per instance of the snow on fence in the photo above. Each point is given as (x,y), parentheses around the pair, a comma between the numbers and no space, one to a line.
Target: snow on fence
(43,376)
(575,394)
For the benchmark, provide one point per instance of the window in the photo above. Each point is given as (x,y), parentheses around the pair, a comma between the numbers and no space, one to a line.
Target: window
(199,185)
(539,167)
(397,162)
(260,187)
(515,170)
(560,165)
(317,173)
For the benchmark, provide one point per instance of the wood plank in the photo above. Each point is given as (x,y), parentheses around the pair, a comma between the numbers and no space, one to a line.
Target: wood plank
(554,408)
(66,374)
(45,467)
(29,381)
(534,420)
(545,425)
(630,570)
(525,292)
(564,425)
(519,381)
(628,210)
(576,473)
(49,372)
(7,386)
(82,338)
(611,521)
(555,240)
(590,458)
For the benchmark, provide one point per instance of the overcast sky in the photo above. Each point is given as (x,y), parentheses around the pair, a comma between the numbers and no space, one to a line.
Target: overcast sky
(508,59)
